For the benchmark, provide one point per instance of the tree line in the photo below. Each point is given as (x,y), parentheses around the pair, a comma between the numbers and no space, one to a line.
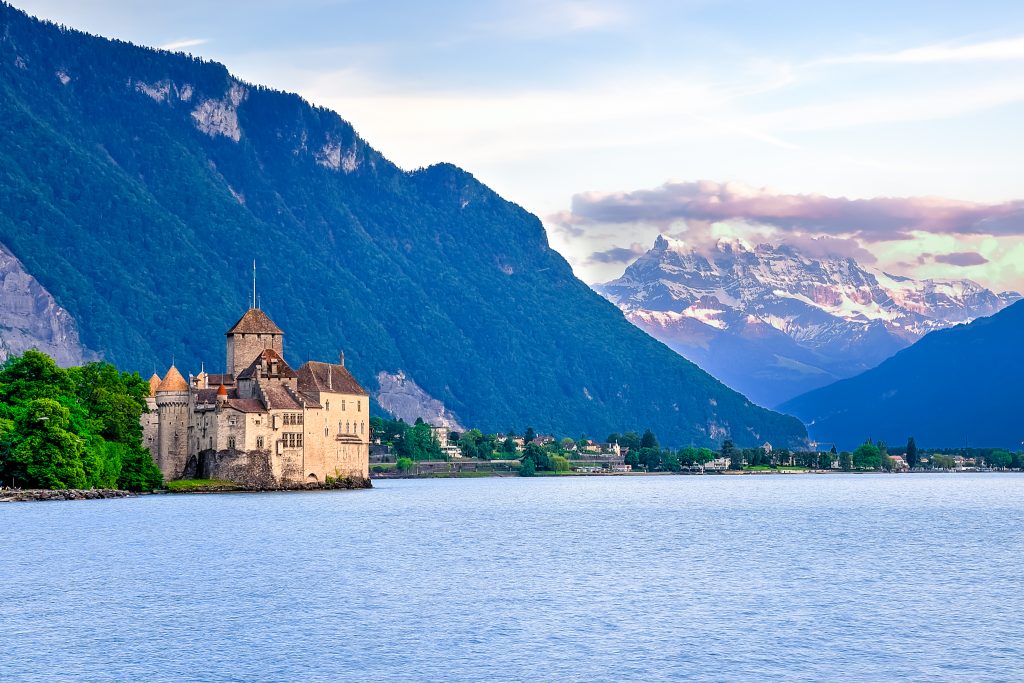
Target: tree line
(72,428)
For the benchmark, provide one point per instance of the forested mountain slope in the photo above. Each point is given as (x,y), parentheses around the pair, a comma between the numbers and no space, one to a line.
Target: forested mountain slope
(137,186)
(955,385)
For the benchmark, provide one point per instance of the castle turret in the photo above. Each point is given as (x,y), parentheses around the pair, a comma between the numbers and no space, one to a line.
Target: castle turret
(247,338)
(172,403)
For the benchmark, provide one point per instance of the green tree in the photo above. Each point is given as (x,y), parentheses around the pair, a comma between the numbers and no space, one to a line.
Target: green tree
(540,458)
(559,463)
(527,468)
(913,459)
(867,457)
(734,454)
(649,440)
(845,461)
(404,465)
(138,470)
(670,461)
(530,435)
(47,455)
(999,459)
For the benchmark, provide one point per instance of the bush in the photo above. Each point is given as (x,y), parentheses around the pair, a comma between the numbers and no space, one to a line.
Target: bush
(527,468)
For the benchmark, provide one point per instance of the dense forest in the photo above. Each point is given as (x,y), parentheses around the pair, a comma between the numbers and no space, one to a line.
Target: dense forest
(138,186)
(72,428)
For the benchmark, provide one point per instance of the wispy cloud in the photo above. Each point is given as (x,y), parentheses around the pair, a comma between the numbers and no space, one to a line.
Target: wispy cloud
(1010,49)
(618,254)
(178,45)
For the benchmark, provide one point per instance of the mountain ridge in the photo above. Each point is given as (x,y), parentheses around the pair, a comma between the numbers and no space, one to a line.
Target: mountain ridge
(772,322)
(140,184)
(953,386)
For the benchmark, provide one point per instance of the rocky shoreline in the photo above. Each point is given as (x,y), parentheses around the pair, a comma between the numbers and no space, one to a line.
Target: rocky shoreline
(25,495)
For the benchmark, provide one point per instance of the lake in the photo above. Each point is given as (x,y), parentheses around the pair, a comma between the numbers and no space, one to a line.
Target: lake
(715,578)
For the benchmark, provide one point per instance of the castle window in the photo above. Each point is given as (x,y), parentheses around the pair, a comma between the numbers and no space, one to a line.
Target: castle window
(232,421)
(292,439)
(327,405)
(259,442)
(348,428)
(359,406)
(231,443)
(343,404)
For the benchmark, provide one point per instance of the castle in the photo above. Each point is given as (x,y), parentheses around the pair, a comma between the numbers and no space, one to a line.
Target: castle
(261,424)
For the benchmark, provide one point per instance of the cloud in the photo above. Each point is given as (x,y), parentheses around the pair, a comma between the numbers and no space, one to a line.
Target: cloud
(618,254)
(995,50)
(962,258)
(179,45)
(876,219)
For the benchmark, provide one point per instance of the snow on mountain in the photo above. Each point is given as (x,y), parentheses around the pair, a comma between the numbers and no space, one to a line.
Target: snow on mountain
(773,323)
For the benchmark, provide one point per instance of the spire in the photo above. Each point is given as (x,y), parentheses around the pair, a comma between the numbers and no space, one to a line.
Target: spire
(254,302)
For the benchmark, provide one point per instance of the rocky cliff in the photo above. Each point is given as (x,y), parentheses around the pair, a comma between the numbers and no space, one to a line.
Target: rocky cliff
(30,318)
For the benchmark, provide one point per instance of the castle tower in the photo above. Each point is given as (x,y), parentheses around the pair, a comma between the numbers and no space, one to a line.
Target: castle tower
(247,338)
(172,399)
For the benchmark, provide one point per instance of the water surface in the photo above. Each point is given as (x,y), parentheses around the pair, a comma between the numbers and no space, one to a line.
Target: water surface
(716,578)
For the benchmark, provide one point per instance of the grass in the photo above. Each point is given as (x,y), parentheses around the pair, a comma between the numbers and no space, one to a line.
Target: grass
(190,485)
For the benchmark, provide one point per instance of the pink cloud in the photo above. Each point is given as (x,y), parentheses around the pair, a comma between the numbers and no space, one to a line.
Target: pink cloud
(872,220)
(962,258)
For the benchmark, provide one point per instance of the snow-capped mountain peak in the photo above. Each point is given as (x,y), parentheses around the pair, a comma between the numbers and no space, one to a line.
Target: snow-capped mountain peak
(833,316)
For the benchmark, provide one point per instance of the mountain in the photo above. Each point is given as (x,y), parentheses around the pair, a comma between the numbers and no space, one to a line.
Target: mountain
(953,386)
(137,186)
(773,323)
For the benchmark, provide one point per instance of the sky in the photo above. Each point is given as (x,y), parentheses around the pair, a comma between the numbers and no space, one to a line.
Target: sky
(887,131)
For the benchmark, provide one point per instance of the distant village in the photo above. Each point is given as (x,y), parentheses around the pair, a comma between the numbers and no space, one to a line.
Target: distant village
(399,449)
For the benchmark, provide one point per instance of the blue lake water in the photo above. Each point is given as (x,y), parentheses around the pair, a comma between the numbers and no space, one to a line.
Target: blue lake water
(831,577)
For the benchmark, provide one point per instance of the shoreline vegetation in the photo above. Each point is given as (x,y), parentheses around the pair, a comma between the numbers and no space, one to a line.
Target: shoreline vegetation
(75,434)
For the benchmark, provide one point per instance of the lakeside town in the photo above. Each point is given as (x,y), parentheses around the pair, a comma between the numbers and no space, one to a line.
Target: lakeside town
(398,449)
(93,432)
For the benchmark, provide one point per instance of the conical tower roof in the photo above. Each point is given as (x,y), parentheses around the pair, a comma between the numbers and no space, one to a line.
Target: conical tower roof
(154,382)
(173,381)
(255,321)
